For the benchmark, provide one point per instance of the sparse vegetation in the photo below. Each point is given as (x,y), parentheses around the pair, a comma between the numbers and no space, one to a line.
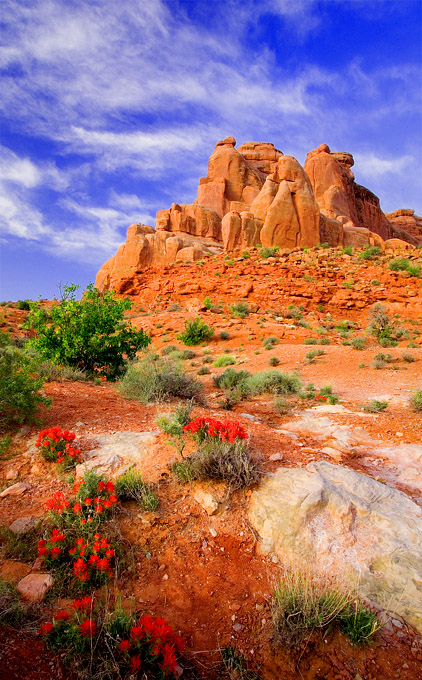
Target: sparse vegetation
(270,342)
(131,487)
(224,360)
(274,361)
(269,252)
(152,380)
(375,406)
(416,401)
(196,331)
(224,335)
(240,309)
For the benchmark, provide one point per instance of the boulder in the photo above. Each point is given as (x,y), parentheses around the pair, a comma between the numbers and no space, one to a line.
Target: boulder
(262,155)
(240,230)
(34,587)
(15,490)
(351,526)
(116,453)
(23,525)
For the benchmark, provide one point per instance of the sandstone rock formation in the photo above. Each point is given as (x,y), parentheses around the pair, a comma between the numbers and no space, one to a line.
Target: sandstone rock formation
(255,195)
(347,525)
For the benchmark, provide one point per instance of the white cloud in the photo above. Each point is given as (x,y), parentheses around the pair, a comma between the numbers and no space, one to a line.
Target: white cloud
(373,166)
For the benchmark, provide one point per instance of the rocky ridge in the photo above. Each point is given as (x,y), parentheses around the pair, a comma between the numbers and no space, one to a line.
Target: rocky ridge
(257,195)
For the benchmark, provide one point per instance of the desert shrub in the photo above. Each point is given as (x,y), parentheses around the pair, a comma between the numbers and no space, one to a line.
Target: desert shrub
(245,255)
(240,309)
(310,341)
(224,360)
(131,487)
(294,313)
(150,380)
(375,406)
(203,370)
(174,308)
(89,333)
(235,665)
(408,358)
(19,389)
(5,444)
(370,253)
(274,382)
(169,349)
(173,424)
(348,250)
(358,623)
(225,461)
(414,270)
(274,361)
(401,264)
(387,342)
(186,354)
(324,341)
(224,335)
(358,343)
(207,359)
(23,305)
(380,324)
(269,343)
(311,356)
(416,400)
(324,245)
(269,252)
(301,605)
(282,405)
(196,331)
(230,378)
(207,302)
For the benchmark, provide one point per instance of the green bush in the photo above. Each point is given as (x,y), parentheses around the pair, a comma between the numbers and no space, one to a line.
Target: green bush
(203,370)
(358,623)
(240,309)
(230,378)
(401,264)
(310,341)
(370,253)
(196,331)
(24,305)
(358,343)
(269,252)
(168,349)
(19,389)
(224,335)
(311,356)
(150,380)
(348,250)
(416,400)
(131,487)
(274,382)
(375,406)
(274,361)
(270,342)
(89,333)
(408,358)
(223,361)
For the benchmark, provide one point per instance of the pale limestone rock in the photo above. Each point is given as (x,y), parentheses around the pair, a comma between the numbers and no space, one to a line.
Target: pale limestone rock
(23,525)
(117,453)
(346,524)
(206,500)
(14,490)
(34,587)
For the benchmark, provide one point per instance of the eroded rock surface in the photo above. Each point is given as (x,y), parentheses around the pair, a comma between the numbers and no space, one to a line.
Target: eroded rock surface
(349,525)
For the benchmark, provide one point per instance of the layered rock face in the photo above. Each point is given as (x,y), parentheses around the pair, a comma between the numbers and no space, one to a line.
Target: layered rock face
(348,526)
(256,195)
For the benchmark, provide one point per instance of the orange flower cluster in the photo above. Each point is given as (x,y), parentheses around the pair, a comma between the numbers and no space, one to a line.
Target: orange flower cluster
(226,431)
(86,508)
(62,622)
(56,446)
(92,559)
(49,549)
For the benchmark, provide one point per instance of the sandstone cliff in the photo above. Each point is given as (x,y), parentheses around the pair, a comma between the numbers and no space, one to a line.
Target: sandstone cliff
(256,195)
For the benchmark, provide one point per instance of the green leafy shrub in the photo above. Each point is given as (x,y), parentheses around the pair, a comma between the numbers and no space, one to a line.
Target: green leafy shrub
(282,405)
(245,255)
(401,264)
(230,378)
(375,406)
(310,341)
(224,360)
(311,356)
(240,309)
(269,252)
(358,343)
(19,389)
(169,349)
(88,333)
(203,370)
(207,302)
(150,380)
(408,358)
(131,487)
(224,461)
(274,361)
(380,324)
(173,424)
(326,394)
(348,250)
(370,253)
(224,335)
(23,305)
(196,331)
(274,382)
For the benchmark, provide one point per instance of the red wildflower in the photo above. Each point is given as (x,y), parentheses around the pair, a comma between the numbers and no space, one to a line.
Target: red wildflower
(82,605)
(135,663)
(124,646)
(88,628)
(169,658)
(46,629)
(61,616)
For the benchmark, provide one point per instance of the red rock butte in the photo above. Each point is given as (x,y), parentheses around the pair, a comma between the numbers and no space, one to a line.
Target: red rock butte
(256,195)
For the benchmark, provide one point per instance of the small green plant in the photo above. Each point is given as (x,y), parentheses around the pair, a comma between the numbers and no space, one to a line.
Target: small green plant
(274,361)
(270,342)
(348,250)
(311,356)
(375,406)
(131,487)
(152,380)
(5,444)
(324,245)
(225,461)
(235,665)
(23,305)
(416,401)
(401,264)
(223,361)
(310,341)
(408,358)
(173,424)
(245,255)
(269,252)
(207,302)
(380,324)
(324,341)
(89,333)
(370,253)
(358,623)
(196,331)
(182,470)
(13,612)
(224,335)
(207,359)
(375,282)
(20,388)
(240,309)
(326,394)
(282,405)
(203,370)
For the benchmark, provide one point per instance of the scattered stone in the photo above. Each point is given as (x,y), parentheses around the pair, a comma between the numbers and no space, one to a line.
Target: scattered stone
(34,587)
(14,490)
(207,501)
(213,532)
(237,627)
(117,453)
(23,525)
(277,456)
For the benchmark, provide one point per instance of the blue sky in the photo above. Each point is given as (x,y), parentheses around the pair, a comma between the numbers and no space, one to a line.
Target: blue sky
(110,111)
